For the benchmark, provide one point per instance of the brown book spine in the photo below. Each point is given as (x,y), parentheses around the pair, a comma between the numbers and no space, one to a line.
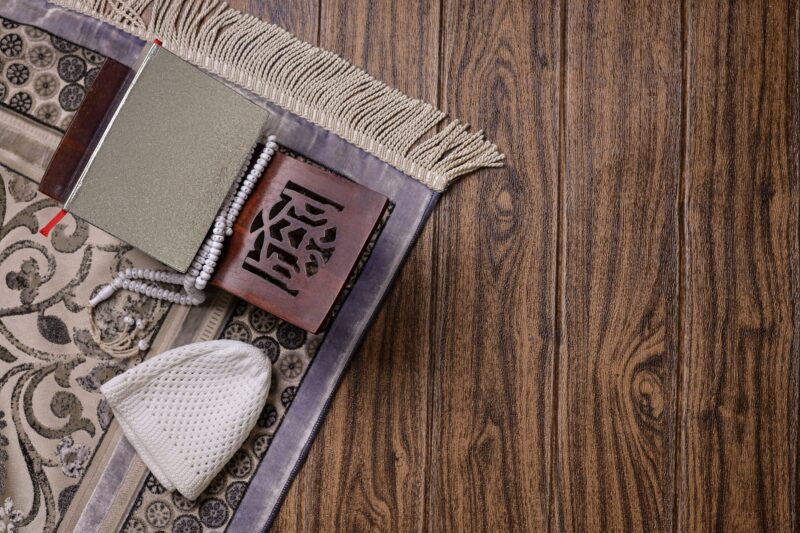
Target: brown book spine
(84,131)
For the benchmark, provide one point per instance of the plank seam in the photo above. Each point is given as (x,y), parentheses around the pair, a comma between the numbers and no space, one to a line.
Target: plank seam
(558,308)
(432,389)
(793,127)
(683,229)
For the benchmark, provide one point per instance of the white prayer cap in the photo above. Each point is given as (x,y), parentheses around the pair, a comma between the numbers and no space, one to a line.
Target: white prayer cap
(187,410)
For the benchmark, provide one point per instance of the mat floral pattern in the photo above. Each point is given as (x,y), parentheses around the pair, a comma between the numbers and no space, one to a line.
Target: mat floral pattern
(43,77)
(52,415)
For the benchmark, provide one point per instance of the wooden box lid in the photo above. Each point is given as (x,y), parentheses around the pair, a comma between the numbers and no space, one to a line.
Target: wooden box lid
(297,240)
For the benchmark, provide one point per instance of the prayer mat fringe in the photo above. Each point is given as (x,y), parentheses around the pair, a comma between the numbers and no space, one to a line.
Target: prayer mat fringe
(310,82)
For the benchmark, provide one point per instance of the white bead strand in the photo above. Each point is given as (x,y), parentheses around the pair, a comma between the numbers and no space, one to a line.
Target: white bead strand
(233,205)
(195,280)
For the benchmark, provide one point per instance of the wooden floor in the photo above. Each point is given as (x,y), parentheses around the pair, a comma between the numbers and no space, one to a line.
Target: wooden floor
(605,334)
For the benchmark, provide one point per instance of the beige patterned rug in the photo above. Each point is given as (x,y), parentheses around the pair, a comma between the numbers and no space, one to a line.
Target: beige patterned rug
(52,416)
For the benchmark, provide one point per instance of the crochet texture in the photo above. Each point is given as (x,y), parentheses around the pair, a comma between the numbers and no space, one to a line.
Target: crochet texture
(188,410)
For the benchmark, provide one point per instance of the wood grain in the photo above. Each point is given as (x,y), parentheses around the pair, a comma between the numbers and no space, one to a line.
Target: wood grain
(738,461)
(605,334)
(619,308)
(494,292)
(301,17)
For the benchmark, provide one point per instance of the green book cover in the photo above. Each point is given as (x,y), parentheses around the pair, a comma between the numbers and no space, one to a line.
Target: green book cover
(165,162)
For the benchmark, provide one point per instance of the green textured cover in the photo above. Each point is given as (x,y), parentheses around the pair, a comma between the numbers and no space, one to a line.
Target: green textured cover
(168,157)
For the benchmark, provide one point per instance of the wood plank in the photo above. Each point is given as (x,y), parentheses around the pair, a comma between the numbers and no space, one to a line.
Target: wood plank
(738,460)
(300,17)
(495,260)
(619,307)
(366,468)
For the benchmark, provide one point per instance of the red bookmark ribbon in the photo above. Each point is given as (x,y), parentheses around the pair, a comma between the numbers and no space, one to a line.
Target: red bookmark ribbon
(53,221)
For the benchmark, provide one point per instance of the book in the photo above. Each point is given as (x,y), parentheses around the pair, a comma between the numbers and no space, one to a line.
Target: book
(162,165)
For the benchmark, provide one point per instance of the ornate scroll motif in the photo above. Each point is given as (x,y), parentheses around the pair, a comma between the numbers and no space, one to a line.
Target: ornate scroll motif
(51,412)
(52,415)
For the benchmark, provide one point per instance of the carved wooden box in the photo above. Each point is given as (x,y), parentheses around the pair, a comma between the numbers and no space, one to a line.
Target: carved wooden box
(297,240)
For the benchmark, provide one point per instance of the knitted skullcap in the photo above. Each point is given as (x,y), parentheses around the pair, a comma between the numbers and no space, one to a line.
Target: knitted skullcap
(187,410)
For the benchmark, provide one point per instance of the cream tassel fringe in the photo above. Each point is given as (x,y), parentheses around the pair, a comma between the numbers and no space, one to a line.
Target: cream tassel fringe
(310,82)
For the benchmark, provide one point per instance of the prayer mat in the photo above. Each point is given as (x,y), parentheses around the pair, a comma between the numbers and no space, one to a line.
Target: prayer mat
(333,115)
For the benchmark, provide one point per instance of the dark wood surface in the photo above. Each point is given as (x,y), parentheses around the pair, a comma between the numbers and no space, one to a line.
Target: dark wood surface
(604,334)
(738,398)
(616,401)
